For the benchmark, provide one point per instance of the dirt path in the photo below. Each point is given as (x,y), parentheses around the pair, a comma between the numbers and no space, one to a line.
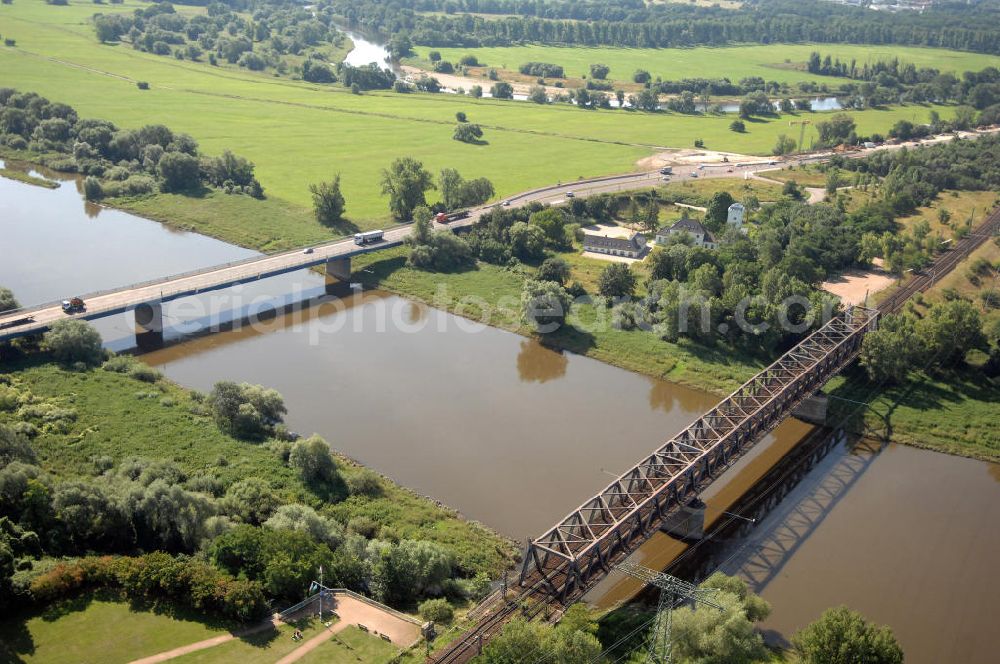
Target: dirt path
(816,195)
(855,286)
(208,643)
(313,643)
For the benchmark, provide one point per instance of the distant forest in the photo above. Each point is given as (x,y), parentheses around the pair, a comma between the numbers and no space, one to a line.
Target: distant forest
(632,23)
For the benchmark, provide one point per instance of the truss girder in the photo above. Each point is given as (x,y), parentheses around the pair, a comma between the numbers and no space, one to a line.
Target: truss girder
(628,509)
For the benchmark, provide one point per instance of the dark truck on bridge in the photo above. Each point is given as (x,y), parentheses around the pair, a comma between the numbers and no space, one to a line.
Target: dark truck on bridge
(445,217)
(73,305)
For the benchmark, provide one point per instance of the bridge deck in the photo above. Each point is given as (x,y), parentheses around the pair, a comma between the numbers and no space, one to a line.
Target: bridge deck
(106,303)
(37,319)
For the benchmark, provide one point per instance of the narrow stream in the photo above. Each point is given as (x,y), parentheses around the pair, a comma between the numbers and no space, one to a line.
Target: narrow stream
(371,48)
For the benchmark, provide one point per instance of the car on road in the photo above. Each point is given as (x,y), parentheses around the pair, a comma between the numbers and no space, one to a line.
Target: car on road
(570,194)
(694,174)
(506,204)
(307,250)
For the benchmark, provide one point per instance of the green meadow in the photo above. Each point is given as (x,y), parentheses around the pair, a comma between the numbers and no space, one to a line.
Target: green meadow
(784,63)
(299,133)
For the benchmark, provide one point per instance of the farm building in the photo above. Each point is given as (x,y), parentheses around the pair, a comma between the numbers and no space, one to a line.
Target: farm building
(701,236)
(632,247)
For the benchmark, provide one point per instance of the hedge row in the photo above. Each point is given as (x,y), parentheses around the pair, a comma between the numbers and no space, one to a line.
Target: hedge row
(183,580)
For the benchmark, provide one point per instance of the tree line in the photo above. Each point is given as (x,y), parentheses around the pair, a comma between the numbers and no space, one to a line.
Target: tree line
(726,632)
(272,38)
(662,25)
(117,162)
(892,81)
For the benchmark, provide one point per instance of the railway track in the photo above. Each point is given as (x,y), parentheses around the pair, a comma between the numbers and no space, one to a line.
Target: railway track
(470,644)
(943,264)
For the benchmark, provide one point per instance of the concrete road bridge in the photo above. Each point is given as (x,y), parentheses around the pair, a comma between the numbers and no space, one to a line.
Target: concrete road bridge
(146,298)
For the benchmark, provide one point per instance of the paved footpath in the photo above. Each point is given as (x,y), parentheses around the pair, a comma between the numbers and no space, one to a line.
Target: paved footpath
(355,612)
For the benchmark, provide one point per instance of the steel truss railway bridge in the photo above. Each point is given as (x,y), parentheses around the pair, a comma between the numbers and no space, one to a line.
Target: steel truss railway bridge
(574,555)
(588,542)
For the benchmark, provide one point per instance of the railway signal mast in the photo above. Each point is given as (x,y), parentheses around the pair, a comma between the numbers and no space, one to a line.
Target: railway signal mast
(672,589)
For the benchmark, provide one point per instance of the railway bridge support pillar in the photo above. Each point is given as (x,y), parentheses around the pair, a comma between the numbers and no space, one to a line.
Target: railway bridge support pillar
(813,410)
(149,325)
(688,523)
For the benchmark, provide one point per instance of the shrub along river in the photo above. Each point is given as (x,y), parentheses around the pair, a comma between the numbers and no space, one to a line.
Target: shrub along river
(516,435)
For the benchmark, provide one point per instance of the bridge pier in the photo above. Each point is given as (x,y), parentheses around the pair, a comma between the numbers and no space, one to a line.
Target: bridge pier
(338,271)
(813,409)
(149,325)
(688,523)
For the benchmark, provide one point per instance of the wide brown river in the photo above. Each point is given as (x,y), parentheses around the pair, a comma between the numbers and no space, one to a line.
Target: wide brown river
(516,435)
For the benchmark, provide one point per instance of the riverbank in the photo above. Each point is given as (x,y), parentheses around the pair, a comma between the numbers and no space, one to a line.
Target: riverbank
(952,412)
(108,416)
(491,294)
(21,176)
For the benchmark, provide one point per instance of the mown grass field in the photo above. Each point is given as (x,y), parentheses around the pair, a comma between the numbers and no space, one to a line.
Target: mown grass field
(784,63)
(352,645)
(120,417)
(80,630)
(84,629)
(265,647)
(298,133)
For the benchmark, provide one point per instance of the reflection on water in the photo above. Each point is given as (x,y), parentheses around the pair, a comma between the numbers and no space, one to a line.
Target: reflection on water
(367,49)
(507,431)
(56,245)
(661,549)
(663,396)
(994,470)
(536,363)
(907,537)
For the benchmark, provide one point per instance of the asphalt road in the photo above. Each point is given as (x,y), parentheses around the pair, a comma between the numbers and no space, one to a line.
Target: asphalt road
(38,319)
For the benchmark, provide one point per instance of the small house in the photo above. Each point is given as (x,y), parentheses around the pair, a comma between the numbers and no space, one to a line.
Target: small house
(737,215)
(632,247)
(699,234)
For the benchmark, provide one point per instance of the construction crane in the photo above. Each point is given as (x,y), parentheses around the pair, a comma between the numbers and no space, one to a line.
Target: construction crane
(672,589)
(802,131)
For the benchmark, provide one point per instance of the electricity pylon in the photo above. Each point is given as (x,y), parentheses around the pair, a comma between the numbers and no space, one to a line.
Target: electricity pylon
(671,589)
(802,131)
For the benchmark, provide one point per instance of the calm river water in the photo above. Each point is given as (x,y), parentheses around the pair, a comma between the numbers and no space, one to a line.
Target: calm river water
(516,435)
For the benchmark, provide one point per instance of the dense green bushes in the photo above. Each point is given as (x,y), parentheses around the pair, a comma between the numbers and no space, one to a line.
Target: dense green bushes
(905,342)
(72,341)
(246,411)
(153,577)
(275,38)
(117,162)
(913,178)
